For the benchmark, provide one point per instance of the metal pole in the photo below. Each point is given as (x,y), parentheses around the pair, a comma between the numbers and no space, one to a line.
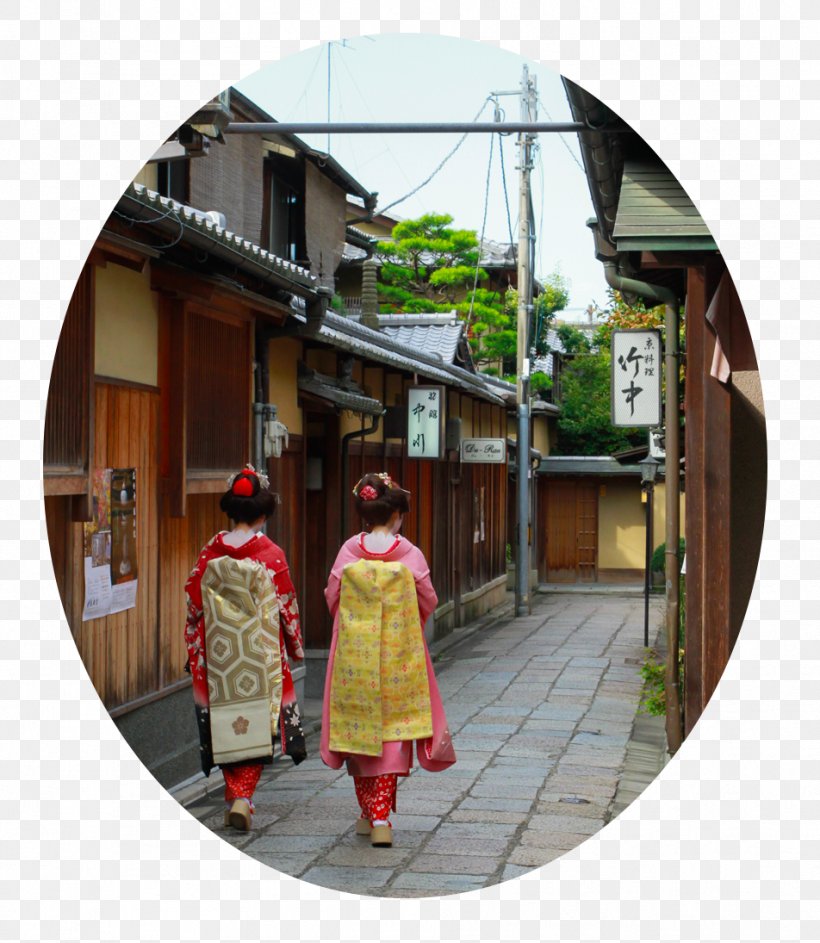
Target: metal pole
(647,565)
(674,726)
(415,127)
(522,557)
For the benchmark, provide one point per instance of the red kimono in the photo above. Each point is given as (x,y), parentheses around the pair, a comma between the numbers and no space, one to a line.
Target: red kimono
(262,549)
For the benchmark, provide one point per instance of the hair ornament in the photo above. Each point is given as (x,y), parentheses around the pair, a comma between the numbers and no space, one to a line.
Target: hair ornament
(368,493)
(239,485)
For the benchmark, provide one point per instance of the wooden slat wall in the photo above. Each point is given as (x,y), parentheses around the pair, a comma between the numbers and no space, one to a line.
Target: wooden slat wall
(119,651)
(180,543)
(219,368)
(66,433)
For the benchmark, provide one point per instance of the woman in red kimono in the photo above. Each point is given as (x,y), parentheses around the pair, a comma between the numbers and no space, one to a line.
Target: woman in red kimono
(262,566)
(381,695)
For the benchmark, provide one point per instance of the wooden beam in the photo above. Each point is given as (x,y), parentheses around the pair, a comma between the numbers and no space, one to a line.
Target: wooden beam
(696,363)
(718,507)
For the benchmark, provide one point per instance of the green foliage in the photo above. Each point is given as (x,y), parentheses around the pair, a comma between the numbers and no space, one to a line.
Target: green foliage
(572,340)
(585,426)
(653,696)
(653,671)
(429,266)
(540,382)
(659,556)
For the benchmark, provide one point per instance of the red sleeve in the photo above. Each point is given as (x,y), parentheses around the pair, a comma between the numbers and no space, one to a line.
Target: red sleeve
(289,614)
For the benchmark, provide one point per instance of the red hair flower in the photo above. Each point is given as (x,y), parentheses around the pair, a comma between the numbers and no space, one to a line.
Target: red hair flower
(368,493)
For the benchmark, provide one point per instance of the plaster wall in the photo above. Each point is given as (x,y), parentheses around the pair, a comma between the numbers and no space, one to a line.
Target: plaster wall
(126,333)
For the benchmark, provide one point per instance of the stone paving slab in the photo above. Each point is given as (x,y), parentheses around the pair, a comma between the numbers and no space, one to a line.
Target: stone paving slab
(496,804)
(356,880)
(475,831)
(293,865)
(531,857)
(435,884)
(478,815)
(454,864)
(480,847)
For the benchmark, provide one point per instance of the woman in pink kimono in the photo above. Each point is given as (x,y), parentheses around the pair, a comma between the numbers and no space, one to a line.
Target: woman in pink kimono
(381,694)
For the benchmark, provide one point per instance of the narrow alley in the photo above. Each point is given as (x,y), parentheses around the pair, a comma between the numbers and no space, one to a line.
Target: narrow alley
(541,708)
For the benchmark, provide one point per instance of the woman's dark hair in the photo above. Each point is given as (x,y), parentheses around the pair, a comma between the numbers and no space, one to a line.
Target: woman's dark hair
(378,497)
(246,500)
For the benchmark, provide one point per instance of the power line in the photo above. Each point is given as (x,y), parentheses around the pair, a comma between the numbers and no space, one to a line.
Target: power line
(462,139)
(563,139)
(504,184)
(483,227)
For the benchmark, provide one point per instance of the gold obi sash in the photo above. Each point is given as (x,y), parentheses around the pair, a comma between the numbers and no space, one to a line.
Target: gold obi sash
(241,615)
(379,686)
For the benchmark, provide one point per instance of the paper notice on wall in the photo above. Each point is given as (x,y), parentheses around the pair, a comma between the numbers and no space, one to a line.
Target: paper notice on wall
(110,544)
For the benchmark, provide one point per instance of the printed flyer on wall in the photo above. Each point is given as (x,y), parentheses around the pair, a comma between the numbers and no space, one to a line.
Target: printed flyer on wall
(110,544)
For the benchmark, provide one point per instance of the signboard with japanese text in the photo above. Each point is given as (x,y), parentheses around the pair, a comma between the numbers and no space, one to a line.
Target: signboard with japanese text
(425,422)
(110,544)
(636,378)
(492,451)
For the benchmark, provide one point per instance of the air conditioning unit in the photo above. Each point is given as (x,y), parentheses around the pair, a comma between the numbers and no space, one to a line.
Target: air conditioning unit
(217,218)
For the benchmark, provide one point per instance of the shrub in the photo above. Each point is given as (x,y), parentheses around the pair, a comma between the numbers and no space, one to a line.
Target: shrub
(659,557)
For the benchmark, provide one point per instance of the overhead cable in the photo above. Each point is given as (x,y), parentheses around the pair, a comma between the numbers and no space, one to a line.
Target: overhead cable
(461,140)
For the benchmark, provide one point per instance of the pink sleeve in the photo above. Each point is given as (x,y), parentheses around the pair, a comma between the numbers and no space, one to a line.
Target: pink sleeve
(332,591)
(428,599)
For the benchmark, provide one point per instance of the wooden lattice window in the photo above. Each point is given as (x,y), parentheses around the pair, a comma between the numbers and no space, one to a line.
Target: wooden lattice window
(218,394)
(69,409)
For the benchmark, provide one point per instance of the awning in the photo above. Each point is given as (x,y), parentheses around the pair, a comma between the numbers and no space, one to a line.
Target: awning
(656,214)
(343,396)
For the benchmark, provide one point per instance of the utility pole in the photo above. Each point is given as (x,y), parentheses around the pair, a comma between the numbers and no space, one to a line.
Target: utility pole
(526,140)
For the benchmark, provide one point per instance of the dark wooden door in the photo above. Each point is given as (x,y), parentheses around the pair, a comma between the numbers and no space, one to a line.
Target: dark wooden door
(571,531)
(322,521)
(586,529)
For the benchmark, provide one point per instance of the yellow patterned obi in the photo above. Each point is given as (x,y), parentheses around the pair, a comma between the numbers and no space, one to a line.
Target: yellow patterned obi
(379,686)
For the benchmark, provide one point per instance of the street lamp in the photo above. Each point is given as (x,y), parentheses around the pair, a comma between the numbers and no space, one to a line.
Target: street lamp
(649,471)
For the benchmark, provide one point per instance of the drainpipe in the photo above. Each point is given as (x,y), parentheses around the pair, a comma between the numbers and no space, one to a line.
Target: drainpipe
(672,422)
(346,470)
(316,309)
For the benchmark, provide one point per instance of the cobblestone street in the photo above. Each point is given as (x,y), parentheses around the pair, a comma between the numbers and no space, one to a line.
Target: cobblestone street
(541,710)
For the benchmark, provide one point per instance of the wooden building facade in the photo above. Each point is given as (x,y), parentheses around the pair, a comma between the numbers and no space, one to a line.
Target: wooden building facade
(647,229)
(176,330)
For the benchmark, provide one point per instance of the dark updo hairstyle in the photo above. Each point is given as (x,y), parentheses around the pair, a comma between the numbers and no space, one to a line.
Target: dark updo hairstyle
(246,500)
(377,509)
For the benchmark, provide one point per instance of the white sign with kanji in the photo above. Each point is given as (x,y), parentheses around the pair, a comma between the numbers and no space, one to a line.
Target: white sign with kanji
(425,422)
(636,378)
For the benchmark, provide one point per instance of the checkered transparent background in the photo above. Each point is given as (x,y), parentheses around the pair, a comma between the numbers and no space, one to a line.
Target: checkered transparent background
(720,847)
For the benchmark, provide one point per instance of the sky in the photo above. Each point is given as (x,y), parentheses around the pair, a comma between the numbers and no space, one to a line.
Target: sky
(429,78)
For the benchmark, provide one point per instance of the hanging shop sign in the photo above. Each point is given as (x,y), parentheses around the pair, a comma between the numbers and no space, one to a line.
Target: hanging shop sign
(425,422)
(110,544)
(636,378)
(485,451)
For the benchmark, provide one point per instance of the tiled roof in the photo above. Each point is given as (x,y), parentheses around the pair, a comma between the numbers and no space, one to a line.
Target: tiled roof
(585,465)
(545,364)
(198,224)
(363,341)
(433,339)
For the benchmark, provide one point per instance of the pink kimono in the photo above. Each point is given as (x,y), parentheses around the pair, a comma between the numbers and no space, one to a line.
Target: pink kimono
(434,753)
